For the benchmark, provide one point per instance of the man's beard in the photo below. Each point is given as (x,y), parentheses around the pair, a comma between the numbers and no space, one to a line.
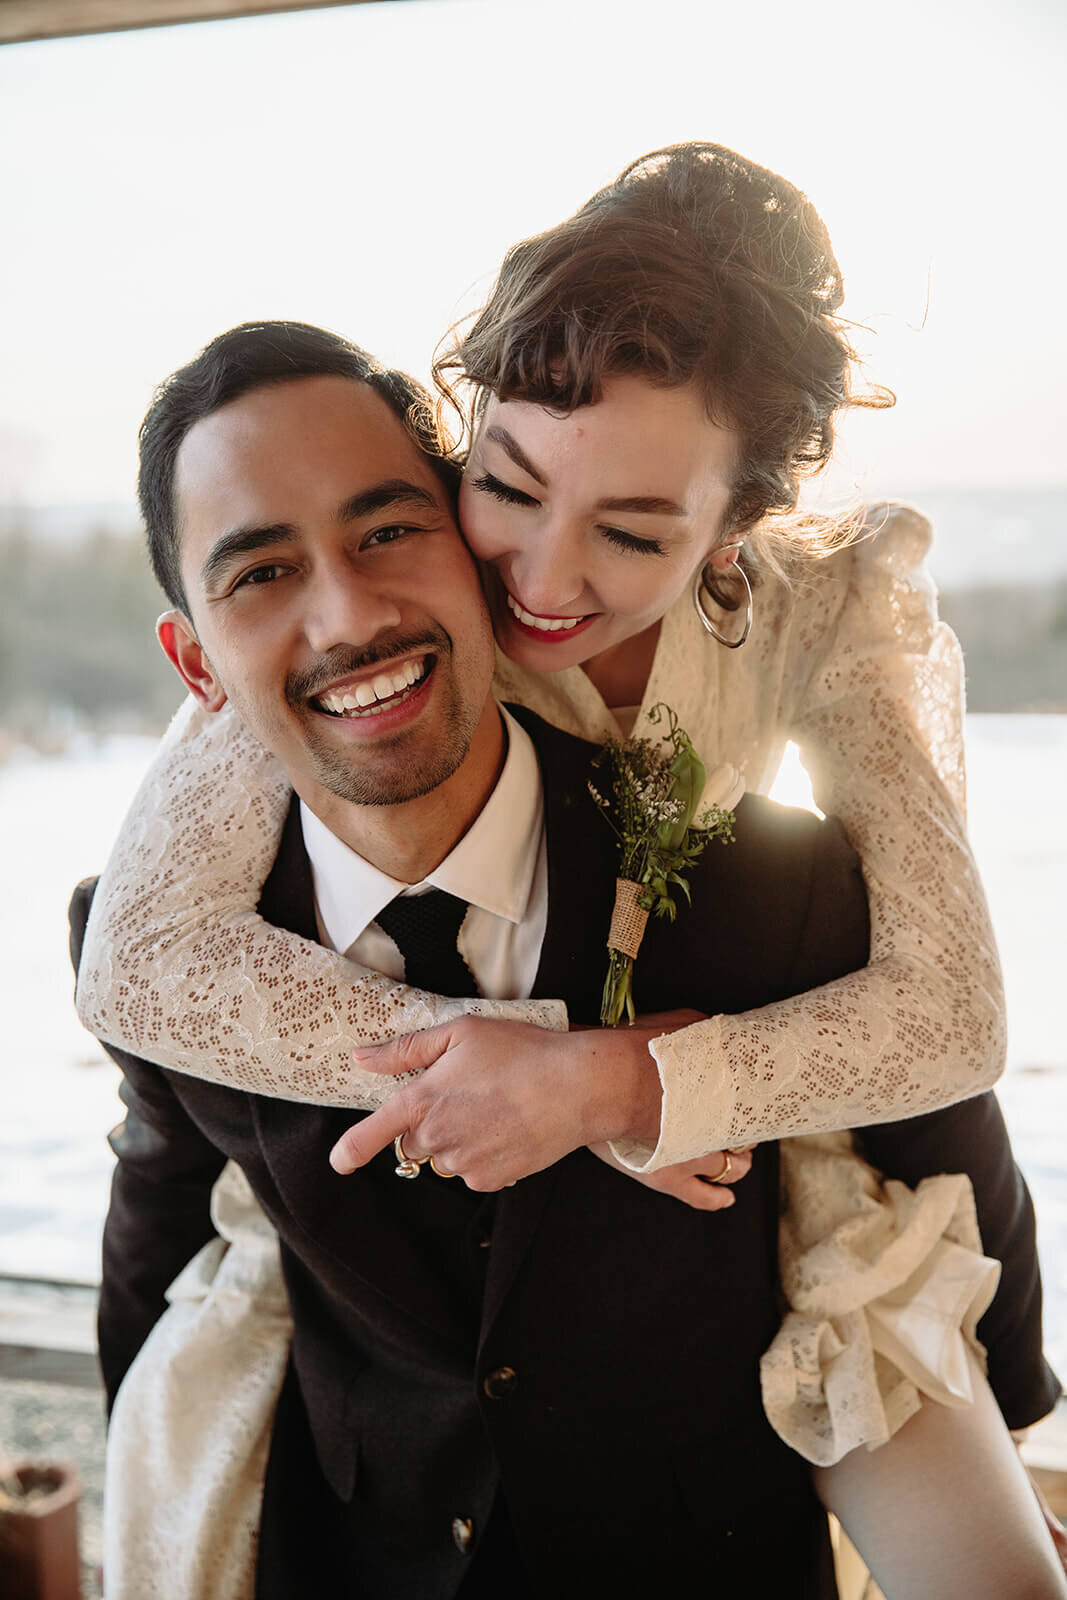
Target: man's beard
(370,778)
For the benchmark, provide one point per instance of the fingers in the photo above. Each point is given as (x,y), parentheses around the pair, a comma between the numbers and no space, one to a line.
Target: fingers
(670,1021)
(730,1166)
(361,1143)
(411,1052)
(706,1196)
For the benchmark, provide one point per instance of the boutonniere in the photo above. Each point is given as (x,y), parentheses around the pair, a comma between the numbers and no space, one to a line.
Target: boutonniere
(665,810)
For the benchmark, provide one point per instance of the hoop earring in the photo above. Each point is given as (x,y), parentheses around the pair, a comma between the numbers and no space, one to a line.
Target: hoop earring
(720,638)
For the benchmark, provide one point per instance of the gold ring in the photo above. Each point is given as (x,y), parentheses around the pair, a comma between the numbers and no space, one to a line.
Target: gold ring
(407,1167)
(440,1172)
(725,1173)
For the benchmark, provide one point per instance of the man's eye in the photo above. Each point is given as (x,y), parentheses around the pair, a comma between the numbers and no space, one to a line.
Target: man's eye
(388,535)
(258,575)
(503,491)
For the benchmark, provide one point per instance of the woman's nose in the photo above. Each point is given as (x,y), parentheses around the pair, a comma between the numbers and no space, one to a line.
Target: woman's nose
(548,578)
(345,607)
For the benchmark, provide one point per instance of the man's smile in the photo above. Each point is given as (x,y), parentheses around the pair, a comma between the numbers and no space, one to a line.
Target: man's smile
(370,696)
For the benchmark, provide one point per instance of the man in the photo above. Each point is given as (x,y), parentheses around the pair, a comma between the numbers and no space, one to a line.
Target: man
(532,1394)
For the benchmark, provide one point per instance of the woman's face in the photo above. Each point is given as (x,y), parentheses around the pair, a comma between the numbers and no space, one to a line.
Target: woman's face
(591,525)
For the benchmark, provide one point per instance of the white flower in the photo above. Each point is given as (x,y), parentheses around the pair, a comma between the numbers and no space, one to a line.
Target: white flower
(724,788)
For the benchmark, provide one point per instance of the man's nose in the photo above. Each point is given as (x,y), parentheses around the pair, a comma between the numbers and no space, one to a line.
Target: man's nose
(346,607)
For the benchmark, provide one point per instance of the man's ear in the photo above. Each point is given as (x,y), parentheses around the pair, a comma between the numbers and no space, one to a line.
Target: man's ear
(186,655)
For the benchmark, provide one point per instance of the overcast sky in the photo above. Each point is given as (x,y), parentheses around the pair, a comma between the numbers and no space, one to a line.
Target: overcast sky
(366,168)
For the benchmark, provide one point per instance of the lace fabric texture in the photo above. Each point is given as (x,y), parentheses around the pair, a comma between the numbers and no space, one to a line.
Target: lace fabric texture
(178,968)
(850,662)
(853,664)
(190,1432)
(885,1285)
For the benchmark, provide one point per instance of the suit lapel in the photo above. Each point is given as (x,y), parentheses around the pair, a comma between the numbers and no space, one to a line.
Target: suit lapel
(582,865)
(288,898)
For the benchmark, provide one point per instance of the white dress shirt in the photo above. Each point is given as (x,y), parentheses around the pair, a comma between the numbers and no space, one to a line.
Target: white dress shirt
(499,866)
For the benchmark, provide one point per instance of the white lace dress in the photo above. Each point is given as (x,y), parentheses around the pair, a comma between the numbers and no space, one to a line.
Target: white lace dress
(885,1284)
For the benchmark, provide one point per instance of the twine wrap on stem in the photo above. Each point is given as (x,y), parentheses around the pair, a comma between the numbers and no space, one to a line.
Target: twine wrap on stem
(628,919)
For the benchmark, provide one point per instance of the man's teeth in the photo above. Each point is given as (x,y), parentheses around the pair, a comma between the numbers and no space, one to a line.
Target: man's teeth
(372,690)
(543,624)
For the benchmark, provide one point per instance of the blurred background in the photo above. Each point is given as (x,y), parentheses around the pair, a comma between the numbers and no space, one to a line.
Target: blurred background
(365,167)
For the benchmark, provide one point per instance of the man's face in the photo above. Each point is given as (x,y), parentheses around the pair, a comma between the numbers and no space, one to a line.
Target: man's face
(332,600)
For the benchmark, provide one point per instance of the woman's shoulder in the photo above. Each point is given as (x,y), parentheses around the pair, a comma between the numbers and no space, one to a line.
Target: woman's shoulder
(880,568)
(884,536)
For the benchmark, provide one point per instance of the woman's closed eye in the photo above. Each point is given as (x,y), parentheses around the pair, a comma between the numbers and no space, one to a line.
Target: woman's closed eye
(629,541)
(488,484)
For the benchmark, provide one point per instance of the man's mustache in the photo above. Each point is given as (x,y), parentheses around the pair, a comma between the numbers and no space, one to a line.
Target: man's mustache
(343,660)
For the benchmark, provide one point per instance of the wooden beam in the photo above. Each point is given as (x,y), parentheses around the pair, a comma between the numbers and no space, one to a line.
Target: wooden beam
(48,1332)
(21,20)
(75,1369)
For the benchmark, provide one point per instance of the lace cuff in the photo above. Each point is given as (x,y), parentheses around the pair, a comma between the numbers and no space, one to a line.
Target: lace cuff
(886,1285)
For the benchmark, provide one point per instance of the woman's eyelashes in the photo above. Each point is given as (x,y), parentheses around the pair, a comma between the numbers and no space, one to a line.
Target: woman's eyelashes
(629,541)
(506,492)
(503,491)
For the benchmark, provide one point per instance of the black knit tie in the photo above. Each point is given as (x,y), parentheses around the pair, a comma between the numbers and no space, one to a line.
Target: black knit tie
(424,928)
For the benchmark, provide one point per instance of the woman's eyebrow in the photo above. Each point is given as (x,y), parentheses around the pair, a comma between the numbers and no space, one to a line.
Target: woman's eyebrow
(643,502)
(511,447)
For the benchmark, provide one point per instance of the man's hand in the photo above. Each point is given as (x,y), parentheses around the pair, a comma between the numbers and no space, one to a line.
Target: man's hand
(696,1183)
(499,1100)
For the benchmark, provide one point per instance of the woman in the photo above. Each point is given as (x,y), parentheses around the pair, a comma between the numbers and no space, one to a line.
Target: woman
(682,327)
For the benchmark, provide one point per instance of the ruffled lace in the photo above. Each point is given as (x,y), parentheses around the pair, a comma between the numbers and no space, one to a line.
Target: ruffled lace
(190,1432)
(886,1285)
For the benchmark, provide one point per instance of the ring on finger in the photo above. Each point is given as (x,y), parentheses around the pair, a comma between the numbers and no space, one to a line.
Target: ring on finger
(407,1166)
(440,1171)
(725,1173)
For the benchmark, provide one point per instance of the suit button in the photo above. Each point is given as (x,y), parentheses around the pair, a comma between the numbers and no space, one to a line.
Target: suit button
(499,1384)
(462,1534)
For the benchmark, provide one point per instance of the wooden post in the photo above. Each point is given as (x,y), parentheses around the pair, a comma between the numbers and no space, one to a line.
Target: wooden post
(39,1533)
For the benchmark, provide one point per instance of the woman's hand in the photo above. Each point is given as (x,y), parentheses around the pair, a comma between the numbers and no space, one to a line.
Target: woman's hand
(700,1183)
(499,1100)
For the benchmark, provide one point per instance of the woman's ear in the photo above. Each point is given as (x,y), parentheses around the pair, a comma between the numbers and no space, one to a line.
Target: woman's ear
(186,655)
(723,557)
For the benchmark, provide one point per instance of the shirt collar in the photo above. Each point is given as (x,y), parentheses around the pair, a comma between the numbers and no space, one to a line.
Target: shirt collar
(492,866)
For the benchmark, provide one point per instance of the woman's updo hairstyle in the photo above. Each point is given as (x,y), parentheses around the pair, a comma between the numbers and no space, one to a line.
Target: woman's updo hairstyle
(694,265)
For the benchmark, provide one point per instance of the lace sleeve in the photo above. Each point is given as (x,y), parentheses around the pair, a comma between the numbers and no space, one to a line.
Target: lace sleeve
(178,968)
(877,712)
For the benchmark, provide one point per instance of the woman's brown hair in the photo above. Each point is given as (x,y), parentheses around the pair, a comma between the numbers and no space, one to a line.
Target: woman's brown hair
(695,265)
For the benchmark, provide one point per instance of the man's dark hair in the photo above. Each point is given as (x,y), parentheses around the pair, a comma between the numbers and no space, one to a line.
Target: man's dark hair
(254,356)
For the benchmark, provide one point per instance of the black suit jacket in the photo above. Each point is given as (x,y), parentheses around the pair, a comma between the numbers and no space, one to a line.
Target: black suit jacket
(630,1437)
